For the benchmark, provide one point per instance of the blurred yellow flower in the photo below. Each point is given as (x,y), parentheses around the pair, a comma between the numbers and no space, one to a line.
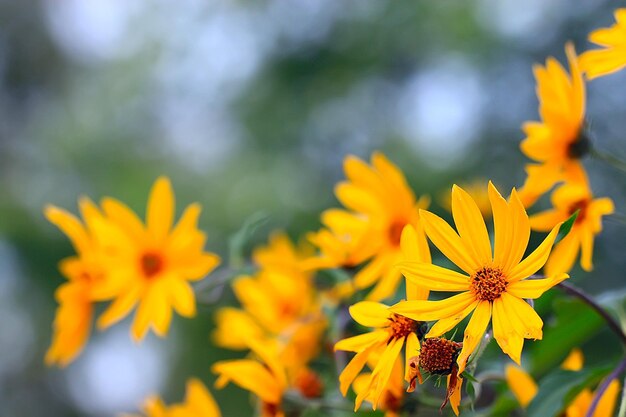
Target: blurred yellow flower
(557,142)
(153,264)
(612,58)
(198,403)
(566,200)
(524,389)
(478,190)
(87,283)
(493,285)
(391,331)
(379,204)
(392,399)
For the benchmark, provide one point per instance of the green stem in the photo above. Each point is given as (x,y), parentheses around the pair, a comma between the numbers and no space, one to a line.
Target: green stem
(622,407)
(609,159)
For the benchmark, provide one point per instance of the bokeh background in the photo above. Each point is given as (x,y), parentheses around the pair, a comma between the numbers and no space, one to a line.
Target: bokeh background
(250,107)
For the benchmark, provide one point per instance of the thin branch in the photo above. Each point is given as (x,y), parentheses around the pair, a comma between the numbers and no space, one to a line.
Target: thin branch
(609,159)
(610,320)
(604,386)
(622,407)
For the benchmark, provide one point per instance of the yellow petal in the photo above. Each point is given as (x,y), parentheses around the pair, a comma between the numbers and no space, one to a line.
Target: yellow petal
(414,244)
(434,310)
(234,328)
(546,220)
(363,341)
(574,361)
(509,341)
(448,241)
(586,250)
(471,226)
(446,324)
(535,260)
(563,256)
(69,225)
(119,308)
(606,406)
(358,199)
(353,368)
(160,213)
(249,375)
(181,297)
(412,350)
(534,288)
(371,272)
(474,332)
(370,314)
(522,317)
(387,285)
(522,385)
(434,277)
(519,229)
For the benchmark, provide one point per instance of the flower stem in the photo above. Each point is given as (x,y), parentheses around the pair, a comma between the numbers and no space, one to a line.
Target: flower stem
(604,386)
(610,320)
(622,407)
(609,159)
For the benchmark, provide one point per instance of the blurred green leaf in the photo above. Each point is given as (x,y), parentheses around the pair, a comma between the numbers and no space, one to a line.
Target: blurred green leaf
(559,388)
(575,323)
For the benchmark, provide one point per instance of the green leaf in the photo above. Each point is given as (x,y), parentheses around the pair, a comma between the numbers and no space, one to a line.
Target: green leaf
(466,375)
(566,227)
(559,388)
(575,323)
(238,241)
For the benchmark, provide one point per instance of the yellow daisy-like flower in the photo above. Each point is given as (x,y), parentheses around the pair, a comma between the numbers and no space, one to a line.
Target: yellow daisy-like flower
(557,142)
(379,204)
(87,283)
(493,285)
(612,58)
(391,332)
(198,403)
(155,263)
(566,200)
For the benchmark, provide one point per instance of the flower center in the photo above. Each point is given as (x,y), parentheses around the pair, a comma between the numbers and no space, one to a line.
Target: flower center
(488,283)
(438,355)
(309,384)
(151,264)
(391,402)
(403,326)
(270,409)
(580,205)
(579,147)
(395,232)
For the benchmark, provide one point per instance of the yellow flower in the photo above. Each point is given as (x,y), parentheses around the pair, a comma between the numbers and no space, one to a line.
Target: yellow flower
(566,200)
(282,255)
(265,376)
(87,282)
(391,332)
(600,62)
(524,389)
(557,142)
(155,263)
(493,285)
(379,204)
(198,403)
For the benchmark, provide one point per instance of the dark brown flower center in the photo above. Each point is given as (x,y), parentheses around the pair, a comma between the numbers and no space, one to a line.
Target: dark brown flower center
(581,206)
(579,147)
(151,264)
(395,232)
(488,283)
(403,326)
(438,355)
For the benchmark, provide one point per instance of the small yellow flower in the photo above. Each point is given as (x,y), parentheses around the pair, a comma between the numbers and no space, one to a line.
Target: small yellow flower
(155,263)
(611,58)
(87,282)
(566,200)
(391,332)
(198,403)
(493,285)
(557,142)
(379,204)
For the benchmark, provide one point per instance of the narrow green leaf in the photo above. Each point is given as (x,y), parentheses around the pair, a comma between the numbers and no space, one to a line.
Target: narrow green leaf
(466,375)
(566,227)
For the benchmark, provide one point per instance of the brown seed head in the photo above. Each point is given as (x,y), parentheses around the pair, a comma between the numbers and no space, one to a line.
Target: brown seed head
(438,355)
(488,283)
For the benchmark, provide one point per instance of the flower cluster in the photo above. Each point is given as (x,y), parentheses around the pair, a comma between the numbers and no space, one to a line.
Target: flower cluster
(407,304)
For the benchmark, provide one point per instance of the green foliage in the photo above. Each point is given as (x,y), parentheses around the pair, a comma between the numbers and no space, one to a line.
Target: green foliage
(240,239)
(566,227)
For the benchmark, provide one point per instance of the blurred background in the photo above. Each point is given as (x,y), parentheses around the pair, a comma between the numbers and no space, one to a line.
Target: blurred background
(251,106)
